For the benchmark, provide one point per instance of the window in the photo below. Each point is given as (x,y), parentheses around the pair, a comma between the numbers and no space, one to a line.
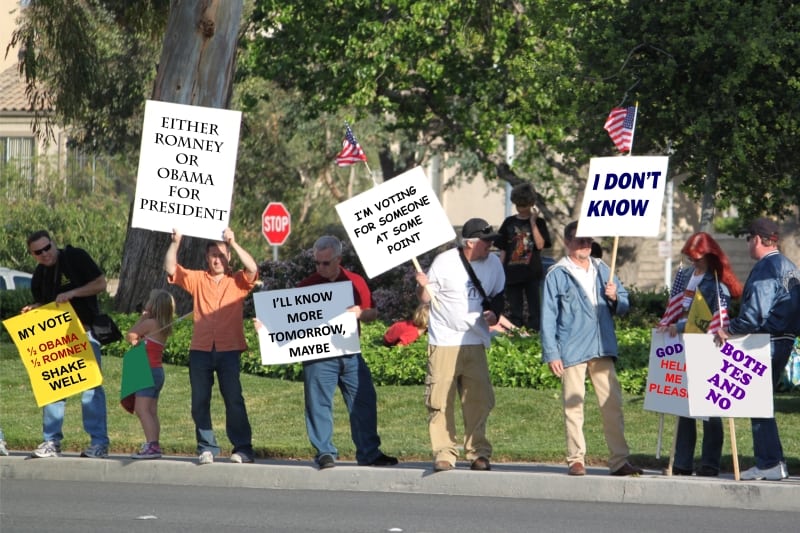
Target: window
(17,163)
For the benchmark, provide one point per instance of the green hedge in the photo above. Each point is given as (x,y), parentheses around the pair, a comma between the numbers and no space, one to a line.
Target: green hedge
(514,361)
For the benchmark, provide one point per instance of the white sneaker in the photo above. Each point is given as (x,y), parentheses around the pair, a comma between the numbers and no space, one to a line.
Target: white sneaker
(3,447)
(205,458)
(771,474)
(47,449)
(237,457)
(784,470)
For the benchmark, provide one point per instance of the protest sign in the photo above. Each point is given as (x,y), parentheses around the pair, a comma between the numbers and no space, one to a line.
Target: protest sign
(623,197)
(186,169)
(55,351)
(691,376)
(306,323)
(733,380)
(666,389)
(395,222)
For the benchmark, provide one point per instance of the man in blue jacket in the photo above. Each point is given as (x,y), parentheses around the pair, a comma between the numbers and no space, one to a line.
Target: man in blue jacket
(578,338)
(767,307)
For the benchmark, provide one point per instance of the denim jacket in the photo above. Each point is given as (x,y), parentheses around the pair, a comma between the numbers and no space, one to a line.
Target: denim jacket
(767,305)
(708,288)
(574,330)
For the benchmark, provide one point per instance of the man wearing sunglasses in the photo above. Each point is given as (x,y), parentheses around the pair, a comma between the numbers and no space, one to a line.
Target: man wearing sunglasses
(350,373)
(581,297)
(467,283)
(70,275)
(769,305)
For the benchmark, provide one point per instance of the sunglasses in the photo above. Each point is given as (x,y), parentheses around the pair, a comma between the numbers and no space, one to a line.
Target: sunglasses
(584,241)
(324,263)
(750,237)
(44,249)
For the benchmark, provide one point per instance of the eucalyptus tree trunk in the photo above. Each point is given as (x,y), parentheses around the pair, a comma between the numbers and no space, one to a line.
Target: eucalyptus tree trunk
(197,64)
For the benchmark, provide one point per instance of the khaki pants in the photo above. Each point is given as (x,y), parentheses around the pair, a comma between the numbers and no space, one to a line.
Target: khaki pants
(463,369)
(609,396)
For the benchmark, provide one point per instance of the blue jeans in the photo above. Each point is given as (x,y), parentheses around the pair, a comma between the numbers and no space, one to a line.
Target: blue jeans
(687,438)
(351,375)
(767,447)
(202,366)
(93,408)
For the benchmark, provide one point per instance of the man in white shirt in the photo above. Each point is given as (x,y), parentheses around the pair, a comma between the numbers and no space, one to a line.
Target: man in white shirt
(458,335)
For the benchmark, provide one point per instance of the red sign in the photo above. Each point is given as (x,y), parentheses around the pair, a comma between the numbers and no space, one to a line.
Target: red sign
(276,223)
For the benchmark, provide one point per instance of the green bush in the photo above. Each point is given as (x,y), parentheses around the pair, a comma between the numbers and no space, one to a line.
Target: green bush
(514,361)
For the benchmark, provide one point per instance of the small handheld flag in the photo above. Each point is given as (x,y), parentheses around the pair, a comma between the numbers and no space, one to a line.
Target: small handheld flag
(675,303)
(351,151)
(619,125)
(720,319)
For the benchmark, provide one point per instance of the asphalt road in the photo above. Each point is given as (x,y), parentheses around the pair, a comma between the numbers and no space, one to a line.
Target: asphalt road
(118,507)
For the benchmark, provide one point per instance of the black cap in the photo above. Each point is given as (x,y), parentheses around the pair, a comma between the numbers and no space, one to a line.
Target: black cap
(764,228)
(477,228)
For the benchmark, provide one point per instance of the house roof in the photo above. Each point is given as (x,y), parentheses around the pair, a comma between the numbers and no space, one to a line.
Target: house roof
(12,91)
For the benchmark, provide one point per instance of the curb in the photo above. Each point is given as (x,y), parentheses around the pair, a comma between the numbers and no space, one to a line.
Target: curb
(506,480)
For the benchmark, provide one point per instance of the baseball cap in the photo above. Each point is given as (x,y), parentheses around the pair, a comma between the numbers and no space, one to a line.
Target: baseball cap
(477,228)
(763,227)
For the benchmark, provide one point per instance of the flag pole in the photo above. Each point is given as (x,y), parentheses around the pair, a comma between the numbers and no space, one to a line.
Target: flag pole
(633,129)
(615,247)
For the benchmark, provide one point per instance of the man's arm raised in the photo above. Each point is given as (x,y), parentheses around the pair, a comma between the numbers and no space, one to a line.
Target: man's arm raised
(171,258)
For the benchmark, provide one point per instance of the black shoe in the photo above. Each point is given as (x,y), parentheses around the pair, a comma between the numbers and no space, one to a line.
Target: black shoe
(707,471)
(681,471)
(382,460)
(627,470)
(481,464)
(326,461)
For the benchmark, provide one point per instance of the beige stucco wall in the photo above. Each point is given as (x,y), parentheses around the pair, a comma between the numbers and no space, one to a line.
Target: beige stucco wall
(9,10)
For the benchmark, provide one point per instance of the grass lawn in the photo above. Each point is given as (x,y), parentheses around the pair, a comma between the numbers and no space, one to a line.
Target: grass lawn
(526,425)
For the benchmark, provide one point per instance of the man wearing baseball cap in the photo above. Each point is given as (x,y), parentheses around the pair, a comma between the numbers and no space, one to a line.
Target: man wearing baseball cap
(467,283)
(767,307)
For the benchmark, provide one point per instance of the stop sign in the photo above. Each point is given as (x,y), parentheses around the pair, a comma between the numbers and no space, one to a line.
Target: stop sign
(276,223)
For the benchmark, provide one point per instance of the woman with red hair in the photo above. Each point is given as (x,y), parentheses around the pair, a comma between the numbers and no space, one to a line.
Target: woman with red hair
(710,276)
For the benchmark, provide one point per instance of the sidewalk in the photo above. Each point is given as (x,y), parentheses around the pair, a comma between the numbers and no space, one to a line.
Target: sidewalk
(508,480)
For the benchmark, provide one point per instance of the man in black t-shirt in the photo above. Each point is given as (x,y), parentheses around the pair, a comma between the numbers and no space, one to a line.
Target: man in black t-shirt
(70,275)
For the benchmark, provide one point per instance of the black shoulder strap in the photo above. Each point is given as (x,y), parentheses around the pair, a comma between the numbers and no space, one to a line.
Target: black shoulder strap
(472,276)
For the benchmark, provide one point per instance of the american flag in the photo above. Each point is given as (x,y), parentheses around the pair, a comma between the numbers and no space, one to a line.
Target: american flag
(619,126)
(675,303)
(718,321)
(351,151)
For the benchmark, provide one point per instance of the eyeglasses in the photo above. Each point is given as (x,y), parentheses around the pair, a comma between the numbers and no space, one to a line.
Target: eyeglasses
(44,249)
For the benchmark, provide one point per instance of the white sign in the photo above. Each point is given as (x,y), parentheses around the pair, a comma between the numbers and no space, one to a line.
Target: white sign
(306,323)
(395,222)
(733,380)
(666,390)
(623,197)
(187,165)
(690,376)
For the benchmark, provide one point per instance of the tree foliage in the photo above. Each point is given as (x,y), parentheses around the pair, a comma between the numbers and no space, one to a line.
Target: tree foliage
(717,81)
(90,65)
(719,87)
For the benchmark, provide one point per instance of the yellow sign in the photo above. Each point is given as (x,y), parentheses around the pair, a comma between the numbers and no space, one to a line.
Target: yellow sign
(56,352)
(699,315)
